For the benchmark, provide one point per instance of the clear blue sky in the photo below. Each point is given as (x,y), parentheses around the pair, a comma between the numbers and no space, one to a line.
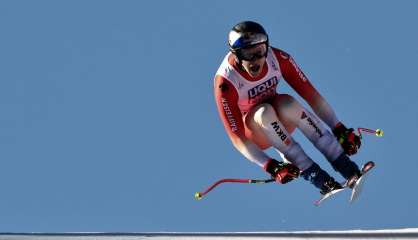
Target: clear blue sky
(108,121)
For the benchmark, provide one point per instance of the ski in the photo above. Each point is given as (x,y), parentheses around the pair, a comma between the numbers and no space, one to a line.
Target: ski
(359,183)
(327,196)
(356,185)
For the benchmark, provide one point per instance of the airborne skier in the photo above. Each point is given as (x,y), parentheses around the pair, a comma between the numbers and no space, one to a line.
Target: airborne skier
(256,117)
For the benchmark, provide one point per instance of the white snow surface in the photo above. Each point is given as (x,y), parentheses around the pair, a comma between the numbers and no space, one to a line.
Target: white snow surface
(406,233)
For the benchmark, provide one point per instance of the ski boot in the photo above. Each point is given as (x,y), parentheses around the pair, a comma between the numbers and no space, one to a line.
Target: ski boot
(330,186)
(320,179)
(347,168)
(353,179)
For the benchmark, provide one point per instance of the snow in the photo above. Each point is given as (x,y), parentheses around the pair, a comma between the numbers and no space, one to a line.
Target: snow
(406,233)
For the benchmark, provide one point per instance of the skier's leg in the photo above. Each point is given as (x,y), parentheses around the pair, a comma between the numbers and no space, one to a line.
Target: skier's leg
(264,119)
(290,109)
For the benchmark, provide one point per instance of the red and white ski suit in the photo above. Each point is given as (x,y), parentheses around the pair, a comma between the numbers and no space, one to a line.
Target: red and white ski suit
(256,117)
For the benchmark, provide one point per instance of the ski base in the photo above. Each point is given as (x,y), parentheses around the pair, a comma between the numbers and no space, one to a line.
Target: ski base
(327,196)
(357,187)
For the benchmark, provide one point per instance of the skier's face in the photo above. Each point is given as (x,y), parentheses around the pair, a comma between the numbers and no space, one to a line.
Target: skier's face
(253,59)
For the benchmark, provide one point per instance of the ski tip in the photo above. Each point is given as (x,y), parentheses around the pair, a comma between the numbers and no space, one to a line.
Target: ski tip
(367,166)
(318,203)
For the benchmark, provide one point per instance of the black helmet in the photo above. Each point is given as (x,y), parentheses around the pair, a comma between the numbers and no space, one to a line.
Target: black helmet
(246,34)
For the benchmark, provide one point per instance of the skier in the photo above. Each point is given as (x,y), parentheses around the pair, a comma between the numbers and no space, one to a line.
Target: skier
(256,117)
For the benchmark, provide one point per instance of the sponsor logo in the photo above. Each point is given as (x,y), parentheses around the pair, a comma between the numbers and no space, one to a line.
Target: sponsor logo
(312,123)
(229,115)
(263,89)
(240,85)
(274,66)
(282,135)
(284,55)
(299,72)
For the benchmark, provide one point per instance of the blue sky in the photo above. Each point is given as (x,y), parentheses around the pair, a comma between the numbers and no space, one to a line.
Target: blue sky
(108,121)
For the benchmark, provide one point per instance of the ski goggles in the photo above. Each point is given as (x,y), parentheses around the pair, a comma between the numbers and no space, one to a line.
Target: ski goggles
(239,41)
(251,54)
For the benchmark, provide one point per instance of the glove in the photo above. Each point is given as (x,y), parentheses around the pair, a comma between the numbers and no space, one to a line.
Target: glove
(282,172)
(347,138)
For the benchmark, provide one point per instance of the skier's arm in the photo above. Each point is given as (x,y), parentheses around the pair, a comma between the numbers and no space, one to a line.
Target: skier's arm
(227,103)
(300,83)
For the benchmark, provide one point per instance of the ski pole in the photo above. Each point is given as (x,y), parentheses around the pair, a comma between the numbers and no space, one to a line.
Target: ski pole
(199,195)
(378,132)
